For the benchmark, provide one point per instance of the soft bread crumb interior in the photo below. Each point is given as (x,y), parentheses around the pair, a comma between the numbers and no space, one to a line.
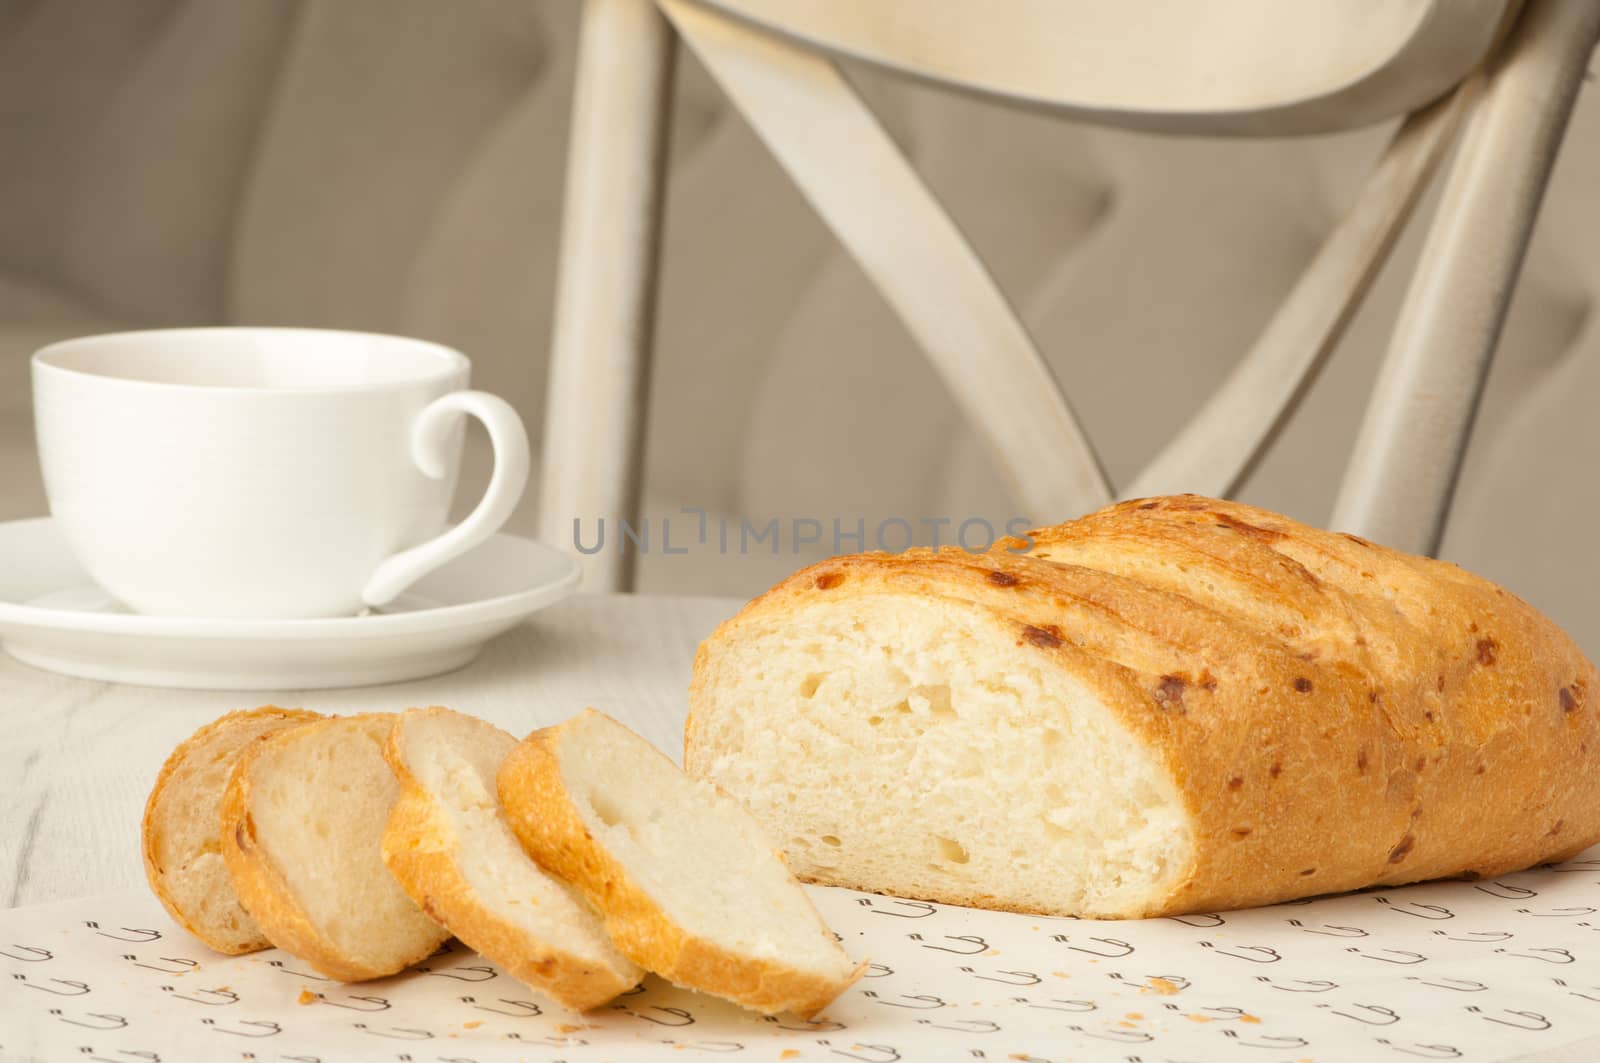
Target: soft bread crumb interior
(456,758)
(320,800)
(696,852)
(914,746)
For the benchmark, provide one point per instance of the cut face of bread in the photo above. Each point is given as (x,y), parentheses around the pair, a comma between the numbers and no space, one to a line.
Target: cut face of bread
(689,885)
(449,846)
(302,824)
(182,853)
(918,747)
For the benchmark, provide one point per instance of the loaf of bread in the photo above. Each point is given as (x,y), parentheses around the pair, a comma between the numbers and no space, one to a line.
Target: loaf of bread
(450,848)
(1171,705)
(686,882)
(302,825)
(182,852)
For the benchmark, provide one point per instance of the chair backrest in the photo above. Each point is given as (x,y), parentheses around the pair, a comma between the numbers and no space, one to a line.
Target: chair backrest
(1218,66)
(775,61)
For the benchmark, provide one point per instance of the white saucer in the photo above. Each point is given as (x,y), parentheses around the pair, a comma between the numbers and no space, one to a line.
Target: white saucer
(53,618)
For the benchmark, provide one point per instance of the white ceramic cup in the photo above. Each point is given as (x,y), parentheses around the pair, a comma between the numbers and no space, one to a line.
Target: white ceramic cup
(264,472)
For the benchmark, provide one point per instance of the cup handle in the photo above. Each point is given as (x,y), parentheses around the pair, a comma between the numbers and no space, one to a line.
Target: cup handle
(510,476)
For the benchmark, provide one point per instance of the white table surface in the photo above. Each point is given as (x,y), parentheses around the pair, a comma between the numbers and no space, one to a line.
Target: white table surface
(77,757)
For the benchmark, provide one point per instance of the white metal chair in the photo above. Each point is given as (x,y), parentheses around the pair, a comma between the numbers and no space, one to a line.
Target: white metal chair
(1507,73)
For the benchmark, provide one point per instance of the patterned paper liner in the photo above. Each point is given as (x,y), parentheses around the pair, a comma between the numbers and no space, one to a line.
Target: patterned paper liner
(1451,970)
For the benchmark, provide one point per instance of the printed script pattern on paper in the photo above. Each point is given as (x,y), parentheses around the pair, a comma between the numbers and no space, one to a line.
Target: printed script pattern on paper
(1451,970)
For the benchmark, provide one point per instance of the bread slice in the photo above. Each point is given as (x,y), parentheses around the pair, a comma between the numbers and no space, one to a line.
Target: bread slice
(1174,704)
(688,885)
(182,852)
(450,848)
(302,825)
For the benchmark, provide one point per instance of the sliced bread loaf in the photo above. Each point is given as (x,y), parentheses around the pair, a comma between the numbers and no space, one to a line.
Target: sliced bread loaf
(450,848)
(689,886)
(1172,705)
(182,852)
(302,823)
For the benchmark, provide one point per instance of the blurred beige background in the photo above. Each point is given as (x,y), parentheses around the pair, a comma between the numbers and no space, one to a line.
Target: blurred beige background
(396,165)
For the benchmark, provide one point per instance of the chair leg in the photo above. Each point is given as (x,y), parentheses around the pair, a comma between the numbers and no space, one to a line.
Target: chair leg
(605,299)
(1402,474)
